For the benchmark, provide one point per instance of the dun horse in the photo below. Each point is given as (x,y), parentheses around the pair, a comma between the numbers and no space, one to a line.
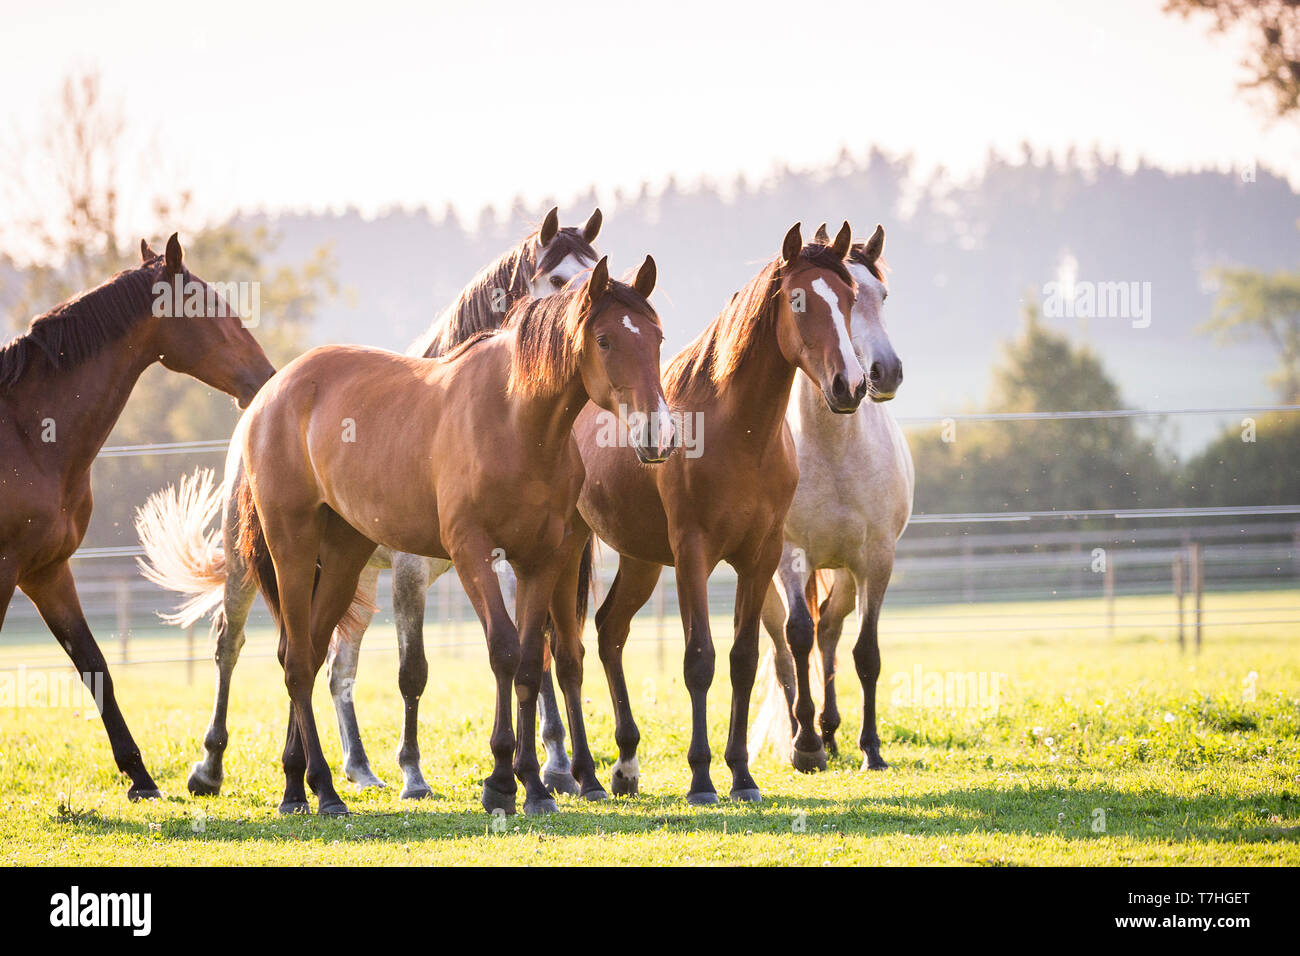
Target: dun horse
(852,504)
(184,557)
(728,504)
(63,385)
(485,454)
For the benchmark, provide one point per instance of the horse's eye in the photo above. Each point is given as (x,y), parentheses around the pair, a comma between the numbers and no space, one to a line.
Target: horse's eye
(557,282)
(603,342)
(884,295)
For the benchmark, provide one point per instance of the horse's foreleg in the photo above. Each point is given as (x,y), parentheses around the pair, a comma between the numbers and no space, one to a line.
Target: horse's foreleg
(54,593)
(412,575)
(693,569)
(866,655)
(830,623)
(569,652)
(535,590)
(345,653)
(473,563)
(632,587)
(751,590)
(240,591)
(808,754)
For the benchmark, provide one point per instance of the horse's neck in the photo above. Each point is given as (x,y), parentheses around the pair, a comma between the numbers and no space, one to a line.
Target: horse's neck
(758,391)
(82,404)
(546,421)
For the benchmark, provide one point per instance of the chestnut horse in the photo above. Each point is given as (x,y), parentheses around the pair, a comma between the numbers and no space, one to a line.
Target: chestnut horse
(63,385)
(729,503)
(483,452)
(205,566)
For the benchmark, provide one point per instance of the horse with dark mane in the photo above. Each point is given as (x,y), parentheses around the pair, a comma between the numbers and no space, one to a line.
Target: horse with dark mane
(63,385)
(184,557)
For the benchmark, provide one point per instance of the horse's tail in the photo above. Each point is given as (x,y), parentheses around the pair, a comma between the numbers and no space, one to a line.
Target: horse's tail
(252,546)
(356,618)
(182,553)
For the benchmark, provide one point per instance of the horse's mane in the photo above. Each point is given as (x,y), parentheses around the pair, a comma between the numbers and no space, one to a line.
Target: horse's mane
(549,335)
(472,311)
(722,347)
(78,328)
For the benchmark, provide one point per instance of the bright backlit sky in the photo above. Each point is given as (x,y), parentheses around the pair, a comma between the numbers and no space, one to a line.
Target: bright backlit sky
(272,105)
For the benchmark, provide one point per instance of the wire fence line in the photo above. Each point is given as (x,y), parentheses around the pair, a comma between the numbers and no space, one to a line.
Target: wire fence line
(221,444)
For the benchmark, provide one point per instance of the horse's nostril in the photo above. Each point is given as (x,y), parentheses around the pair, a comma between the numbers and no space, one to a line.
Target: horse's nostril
(860,392)
(876,372)
(840,387)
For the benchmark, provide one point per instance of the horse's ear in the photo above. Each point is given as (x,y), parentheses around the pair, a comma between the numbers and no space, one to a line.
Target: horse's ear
(792,244)
(599,281)
(145,252)
(843,240)
(592,229)
(550,226)
(822,236)
(174,254)
(644,282)
(876,244)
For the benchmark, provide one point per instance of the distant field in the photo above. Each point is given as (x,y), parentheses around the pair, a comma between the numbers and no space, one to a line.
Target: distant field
(1101,750)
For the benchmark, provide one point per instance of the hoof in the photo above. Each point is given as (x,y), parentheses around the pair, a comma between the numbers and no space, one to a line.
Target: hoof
(200,784)
(703,798)
(560,781)
(421,792)
(831,746)
(494,799)
(595,796)
(289,807)
(364,779)
(747,795)
(624,786)
(332,808)
(143,793)
(535,808)
(874,762)
(808,761)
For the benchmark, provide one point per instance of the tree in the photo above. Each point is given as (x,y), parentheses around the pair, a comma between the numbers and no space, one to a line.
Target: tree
(1262,305)
(1274,30)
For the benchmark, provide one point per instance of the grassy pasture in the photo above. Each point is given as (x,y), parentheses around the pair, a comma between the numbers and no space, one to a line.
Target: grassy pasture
(1101,750)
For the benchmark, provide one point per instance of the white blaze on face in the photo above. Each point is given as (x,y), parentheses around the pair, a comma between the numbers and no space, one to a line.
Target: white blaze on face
(567,268)
(866,308)
(667,434)
(627,322)
(852,367)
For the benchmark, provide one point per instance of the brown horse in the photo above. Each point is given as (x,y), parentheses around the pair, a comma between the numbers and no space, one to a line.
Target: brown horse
(728,503)
(482,450)
(63,385)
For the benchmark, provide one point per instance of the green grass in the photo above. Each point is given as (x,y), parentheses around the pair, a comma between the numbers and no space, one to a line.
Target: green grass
(1191,759)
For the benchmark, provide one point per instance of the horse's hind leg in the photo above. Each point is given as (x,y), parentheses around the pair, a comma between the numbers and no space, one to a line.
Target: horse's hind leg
(412,575)
(830,623)
(782,659)
(241,590)
(54,593)
(345,653)
(807,755)
(632,587)
(568,666)
(866,653)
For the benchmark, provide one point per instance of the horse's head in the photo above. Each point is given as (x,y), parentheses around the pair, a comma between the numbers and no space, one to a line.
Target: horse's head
(867,329)
(813,312)
(198,332)
(562,254)
(620,358)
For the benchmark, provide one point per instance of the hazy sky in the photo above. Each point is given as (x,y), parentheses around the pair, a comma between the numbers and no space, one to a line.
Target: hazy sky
(269,104)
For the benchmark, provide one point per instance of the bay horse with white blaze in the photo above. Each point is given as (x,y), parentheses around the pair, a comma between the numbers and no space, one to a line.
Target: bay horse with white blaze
(63,385)
(484,453)
(728,504)
(184,557)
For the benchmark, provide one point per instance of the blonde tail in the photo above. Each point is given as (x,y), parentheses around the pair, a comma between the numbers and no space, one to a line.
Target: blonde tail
(183,555)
